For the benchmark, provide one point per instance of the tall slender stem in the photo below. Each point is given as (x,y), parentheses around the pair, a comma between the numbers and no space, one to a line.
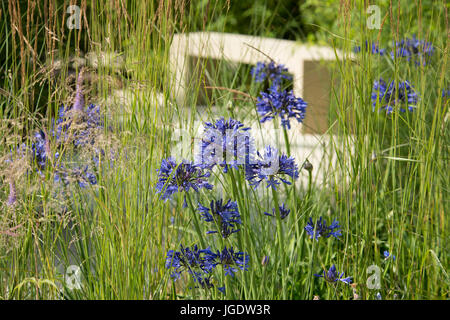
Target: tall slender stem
(196,224)
(281,242)
(286,141)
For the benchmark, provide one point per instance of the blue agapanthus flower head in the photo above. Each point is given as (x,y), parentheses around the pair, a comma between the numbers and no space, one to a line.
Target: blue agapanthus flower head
(272,168)
(413,49)
(277,102)
(284,212)
(392,97)
(388,255)
(231,260)
(226,143)
(191,260)
(225,216)
(332,275)
(321,229)
(173,177)
(373,48)
(271,72)
(41,149)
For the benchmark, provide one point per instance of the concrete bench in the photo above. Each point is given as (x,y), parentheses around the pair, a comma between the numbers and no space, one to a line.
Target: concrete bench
(311,80)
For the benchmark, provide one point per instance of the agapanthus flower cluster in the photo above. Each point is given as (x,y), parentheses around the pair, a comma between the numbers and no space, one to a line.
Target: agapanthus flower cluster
(200,263)
(284,212)
(74,129)
(232,260)
(321,229)
(272,168)
(226,143)
(173,177)
(333,276)
(277,102)
(413,49)
(373,48)
(271,72)
(392,97)
(73,125)
(193,260)
(225,216)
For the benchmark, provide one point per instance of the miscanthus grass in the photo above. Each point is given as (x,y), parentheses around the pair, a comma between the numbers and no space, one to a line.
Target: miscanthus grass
(112,188)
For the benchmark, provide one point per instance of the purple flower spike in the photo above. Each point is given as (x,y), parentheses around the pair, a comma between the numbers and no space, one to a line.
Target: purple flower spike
(12,198)
(79,98)
(46,142)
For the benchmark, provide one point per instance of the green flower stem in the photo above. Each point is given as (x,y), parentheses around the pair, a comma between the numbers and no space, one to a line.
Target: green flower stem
(310,272)
(281,242)
(286,140)
(239,199)
(196,223)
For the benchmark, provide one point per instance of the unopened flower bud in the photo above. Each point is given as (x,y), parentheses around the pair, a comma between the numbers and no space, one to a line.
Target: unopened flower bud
(308,166)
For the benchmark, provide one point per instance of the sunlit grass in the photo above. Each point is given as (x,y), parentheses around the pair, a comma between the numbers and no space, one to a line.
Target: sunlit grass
(391,193)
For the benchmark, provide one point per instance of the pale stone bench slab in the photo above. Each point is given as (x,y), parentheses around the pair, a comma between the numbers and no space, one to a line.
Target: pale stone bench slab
(238,48)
